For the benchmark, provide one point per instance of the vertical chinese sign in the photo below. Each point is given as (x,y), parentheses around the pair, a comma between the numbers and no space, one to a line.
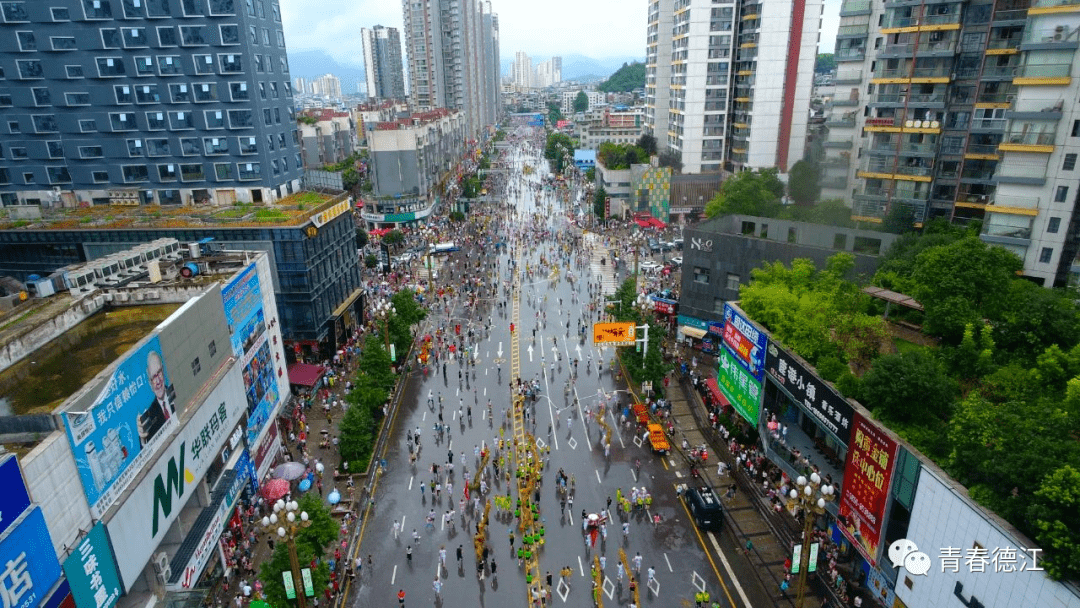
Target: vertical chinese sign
(91,571)
(865,492)
(742,363)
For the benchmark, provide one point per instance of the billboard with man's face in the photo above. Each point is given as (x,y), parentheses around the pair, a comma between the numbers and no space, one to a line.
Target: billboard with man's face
(129,417)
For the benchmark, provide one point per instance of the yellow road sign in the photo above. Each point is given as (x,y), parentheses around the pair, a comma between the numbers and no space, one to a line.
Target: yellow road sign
(613,334)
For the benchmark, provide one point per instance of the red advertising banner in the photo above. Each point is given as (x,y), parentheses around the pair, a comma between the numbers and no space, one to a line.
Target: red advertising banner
(738,343)
(865,492)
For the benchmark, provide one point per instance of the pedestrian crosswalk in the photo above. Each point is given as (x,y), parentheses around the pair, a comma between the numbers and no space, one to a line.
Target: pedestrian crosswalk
(605,271)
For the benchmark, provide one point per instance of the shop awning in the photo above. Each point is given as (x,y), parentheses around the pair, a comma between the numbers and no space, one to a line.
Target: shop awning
(657,223)
(642,223)
(714,390)
(305,374)
(693,332)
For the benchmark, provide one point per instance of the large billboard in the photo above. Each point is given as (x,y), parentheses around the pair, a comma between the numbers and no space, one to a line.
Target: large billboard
(828,407)
(245,314)
(865,491)
(15,498)
(91,571)
(30,568)
(740,388)
(127,422)
(745,341)
(155,503)
(613,334)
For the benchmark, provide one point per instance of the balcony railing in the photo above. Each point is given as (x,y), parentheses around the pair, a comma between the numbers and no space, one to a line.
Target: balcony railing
(854,7)
(848,76)
(850,54)
(1053,3)
(853,30)
(898,21)
(1002,43)
(834,183)
(988,123)
(1049,70)
(1018,14)
(999,71)
(842,122)
(905,72)
(981,149)
(1029,138)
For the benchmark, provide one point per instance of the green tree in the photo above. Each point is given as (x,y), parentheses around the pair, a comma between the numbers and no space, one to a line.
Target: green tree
(370,261)
(962,283)
(1028,317)
(647,143)
(671,158)
(590,174)
(748,193)
(599,199)
(271,574)
(361,238)
(804,183)
(554,113)
(394,238)
(323,529)
(908,387)
(581,102)
(825,63)
(1054,513)
(900,219)
(1002,450)
(833,212)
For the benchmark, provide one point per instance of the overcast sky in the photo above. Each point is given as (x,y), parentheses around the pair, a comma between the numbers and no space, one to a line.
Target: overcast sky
(594,28)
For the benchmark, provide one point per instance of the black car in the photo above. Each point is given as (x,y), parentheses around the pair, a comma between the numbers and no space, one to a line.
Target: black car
(705,507)
(654,246)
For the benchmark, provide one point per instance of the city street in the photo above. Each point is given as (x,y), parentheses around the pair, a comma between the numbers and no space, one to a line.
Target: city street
(552,312)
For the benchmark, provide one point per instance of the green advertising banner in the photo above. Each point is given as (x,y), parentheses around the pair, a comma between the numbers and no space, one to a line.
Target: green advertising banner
(309,589)
(738,386)
(290,588)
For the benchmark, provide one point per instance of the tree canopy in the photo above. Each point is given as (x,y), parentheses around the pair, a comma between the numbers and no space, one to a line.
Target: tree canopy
(620,156)
(804,183)
(581,102)
(748,193)
(627,78)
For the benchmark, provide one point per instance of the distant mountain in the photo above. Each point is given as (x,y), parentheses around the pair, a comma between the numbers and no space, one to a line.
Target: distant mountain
(315,63)
(580,67)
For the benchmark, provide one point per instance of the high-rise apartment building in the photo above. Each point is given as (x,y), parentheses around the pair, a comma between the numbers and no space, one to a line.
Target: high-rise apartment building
(548,72)
(451,63)
(738,89)
(383,70)
(523,71)
(326,85)
(962,110)
(145,102)
(301,85)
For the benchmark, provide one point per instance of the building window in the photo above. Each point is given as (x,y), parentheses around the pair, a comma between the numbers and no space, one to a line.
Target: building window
(1076,128)
(155,121)
(27,41)
(733,282)
(205,92)
(179,93)
(55,149)
(123,94)
(192,35)
(701,275)
(73,71)
(110,38)
(222,7)
(14,12)
(58,175)
(63,43)
(41,96)
(110,67)
(91,152)
(158,147)
(134,174)
(97,9)
(1053,225)
(224,172)
(1061,194)
(230,34)
(231,64)
(718,306)
(133,9)
(60,14)
(135,147)
(5,100)
(1045,255)
(248,145)
(839,241)
(192,173)
(238,91)
(169,65)
(167,173)
(215,119)
(192,8)
(189,146)
(147,93)
(204,64)
(215,146)
(181,121)
(135,37)
(88,125)
(100,177)
(1070,162)
(45,123)
(167,36)
(196,367)
(30,69)
(248,171)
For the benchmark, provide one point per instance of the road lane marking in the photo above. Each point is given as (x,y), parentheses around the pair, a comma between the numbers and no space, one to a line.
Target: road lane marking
(598,480)
(708,554)
(581,568)
(410,484)
(727,566)
(670,569)
(393,577)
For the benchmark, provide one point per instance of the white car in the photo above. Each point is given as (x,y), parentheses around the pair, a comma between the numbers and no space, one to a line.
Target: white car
(650,266)
(677,260)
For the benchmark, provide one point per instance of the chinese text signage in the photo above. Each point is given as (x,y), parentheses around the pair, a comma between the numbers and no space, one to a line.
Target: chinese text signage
(828,407)
(28,566)
(91,571)
(128,420)
(740,388)
(613,334)
(15,499)
(746,341)
(867,478)
(250,343)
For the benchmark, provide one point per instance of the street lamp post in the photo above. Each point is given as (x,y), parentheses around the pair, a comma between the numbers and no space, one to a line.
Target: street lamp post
(636,241)
(812,495)
(288,525)
(383,310)
(644,305)
(429,234)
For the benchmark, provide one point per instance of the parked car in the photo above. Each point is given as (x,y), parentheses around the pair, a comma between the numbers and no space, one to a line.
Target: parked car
(654,245)
(649,266)
(667,245)
(677,260)
(678,243)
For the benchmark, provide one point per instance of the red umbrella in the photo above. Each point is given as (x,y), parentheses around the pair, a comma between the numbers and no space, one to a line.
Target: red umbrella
(275,489)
